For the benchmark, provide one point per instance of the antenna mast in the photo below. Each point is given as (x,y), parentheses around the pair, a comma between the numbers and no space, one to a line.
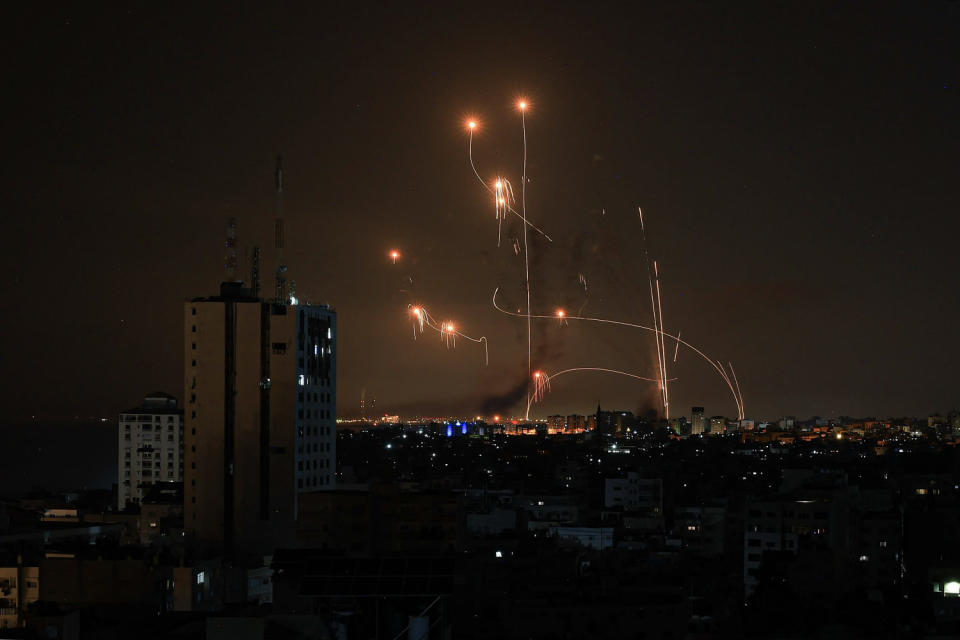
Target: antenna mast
(230,250)
(280,293)
(255,272)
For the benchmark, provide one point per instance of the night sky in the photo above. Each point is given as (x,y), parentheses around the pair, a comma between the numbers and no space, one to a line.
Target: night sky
(796,165)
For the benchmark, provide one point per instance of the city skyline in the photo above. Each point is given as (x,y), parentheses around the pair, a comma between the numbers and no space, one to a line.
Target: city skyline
(521,321)
(795,182)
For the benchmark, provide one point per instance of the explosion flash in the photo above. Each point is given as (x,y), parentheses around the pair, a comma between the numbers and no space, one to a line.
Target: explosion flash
(539,381)
(418,320)
(447,330)
(542,380)
(508,202)
(448,334)
(541,384)
(715,364)
(503,199)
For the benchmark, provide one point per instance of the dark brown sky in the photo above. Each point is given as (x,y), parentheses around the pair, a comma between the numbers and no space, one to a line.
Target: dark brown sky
(796,165)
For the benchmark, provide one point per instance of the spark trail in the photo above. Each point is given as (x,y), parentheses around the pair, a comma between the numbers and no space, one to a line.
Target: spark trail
(657,311)
(715,364)
(542,380)
(506,204)
(448,330)
(526,251)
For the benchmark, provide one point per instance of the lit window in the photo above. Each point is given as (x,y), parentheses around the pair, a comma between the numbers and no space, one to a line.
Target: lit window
(201,577)
(952,588)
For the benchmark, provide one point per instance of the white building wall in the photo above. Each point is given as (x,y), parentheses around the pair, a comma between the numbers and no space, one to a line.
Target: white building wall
(150,450)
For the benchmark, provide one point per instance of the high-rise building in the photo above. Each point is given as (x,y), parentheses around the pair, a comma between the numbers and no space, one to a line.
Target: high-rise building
(718,424)
(953,418)
(698,423)
(680,426)
(614,423)
(150,450)
(260,382)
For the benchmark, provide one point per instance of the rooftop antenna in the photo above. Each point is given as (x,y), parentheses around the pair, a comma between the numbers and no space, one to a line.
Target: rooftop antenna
(255,272)
(280,293)
(230,250)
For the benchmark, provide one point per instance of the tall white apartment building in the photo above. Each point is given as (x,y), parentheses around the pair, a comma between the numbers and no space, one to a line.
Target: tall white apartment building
(150,447)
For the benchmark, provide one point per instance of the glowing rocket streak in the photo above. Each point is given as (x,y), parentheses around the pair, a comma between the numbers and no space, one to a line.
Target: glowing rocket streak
(656,340)
(526,251)
(481,340)
(676,349)
(658,325)
(394,256)
(447,330)
(621,323)
(471,126)
(663,349)
(503,196)
(738,387)
(418,315)
(736,397)
(542,380)
(541,384)
(449,335)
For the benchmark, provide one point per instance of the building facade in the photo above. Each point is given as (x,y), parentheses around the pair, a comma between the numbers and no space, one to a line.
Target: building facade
(260,419)
(698,422)
(19,588)
(150,450)
(718,424)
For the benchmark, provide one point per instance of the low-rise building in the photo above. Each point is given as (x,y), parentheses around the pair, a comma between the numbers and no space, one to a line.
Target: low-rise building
(19,587)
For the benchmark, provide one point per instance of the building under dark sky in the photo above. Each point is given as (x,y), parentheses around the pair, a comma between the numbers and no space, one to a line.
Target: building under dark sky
(795,164)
